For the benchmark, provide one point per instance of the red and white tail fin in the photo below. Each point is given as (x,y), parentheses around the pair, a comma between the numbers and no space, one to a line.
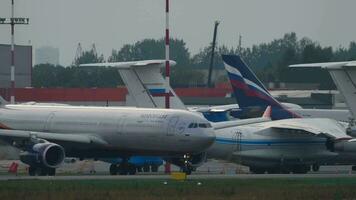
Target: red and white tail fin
(267,113)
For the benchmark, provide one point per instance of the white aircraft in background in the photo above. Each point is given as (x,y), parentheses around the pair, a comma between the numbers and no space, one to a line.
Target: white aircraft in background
(344,77)
(48,134)
(290,145)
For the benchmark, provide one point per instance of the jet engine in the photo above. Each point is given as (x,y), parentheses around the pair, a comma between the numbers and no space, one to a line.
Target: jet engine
(47,154)
(346,146)
(351,131)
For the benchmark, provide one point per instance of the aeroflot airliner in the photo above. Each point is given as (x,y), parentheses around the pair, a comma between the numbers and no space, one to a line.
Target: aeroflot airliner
(47,134)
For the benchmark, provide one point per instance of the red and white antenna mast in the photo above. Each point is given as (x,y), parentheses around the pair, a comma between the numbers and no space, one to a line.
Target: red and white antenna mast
(167,95)
(12,21)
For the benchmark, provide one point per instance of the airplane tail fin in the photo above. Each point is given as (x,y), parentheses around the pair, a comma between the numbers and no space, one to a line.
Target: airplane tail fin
(249,90)
(344,77)
(145,83)
(3,102)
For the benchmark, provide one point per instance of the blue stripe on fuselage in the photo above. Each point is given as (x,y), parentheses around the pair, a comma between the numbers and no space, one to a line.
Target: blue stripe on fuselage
(266,142)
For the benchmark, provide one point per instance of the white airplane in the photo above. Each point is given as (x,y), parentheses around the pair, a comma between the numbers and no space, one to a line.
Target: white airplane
(284,145)
(48,134)
(344,77)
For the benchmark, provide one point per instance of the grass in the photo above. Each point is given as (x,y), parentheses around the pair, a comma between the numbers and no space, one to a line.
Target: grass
(310,188)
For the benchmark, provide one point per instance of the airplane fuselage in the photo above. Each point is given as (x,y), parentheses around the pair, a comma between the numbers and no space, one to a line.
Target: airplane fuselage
(253,146)
(127,131)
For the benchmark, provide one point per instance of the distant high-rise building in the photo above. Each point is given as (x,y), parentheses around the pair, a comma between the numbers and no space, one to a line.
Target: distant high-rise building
(47,54)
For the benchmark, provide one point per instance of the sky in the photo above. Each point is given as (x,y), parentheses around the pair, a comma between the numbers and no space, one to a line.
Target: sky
(112,23)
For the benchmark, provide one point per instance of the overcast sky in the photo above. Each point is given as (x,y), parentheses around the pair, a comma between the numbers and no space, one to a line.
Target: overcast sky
(112,23)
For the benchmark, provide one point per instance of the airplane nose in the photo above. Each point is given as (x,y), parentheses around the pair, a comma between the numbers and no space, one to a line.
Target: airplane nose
(208,137)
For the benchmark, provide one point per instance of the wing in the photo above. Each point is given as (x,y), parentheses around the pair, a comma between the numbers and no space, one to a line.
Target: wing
(241,122)
(66,140)
(127,65)
(223,108)
(328,64)
(313,126)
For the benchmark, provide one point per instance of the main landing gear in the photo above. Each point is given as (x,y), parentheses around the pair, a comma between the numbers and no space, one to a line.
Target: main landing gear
(123,168)
(41,171)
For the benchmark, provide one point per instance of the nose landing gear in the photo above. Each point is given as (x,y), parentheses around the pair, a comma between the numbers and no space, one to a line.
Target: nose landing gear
(187,166)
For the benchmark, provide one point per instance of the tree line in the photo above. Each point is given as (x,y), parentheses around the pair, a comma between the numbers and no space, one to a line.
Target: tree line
(269,60)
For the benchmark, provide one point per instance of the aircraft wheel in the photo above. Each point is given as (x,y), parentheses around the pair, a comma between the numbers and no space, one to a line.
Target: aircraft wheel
(139,169)
(146,168)
(32,171)
(51,171)
(272,171)
(257,170)
(315,167)
(132,169)
(113,169)
(154,168)
(43,171)
(300,169)
(123,169)
(187,169)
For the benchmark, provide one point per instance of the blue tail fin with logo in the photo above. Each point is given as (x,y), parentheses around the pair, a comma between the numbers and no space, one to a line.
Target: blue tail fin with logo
(249,91)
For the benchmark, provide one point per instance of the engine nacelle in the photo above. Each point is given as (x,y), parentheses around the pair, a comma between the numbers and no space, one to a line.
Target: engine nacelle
(346,146)
(351,131)
(48,154)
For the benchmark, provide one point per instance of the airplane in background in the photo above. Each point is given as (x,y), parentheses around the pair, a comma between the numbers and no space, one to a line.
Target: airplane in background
(290,145)
(47,134)
(253,98)
(146,86)
(344,77)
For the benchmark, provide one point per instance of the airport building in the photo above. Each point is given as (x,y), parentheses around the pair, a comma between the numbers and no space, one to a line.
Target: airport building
(23,66)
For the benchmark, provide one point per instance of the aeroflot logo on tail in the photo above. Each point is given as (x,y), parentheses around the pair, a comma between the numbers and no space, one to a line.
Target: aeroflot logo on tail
(242,83)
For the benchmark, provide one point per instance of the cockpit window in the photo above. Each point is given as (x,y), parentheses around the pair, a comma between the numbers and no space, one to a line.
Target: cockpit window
(193,125)
(204,125)
(200,125)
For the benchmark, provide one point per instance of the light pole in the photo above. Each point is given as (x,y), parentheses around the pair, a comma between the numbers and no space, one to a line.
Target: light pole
(13,21)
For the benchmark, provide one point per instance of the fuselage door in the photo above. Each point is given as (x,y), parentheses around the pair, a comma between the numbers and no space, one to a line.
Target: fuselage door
(48,124)
(172,125)
(121,124)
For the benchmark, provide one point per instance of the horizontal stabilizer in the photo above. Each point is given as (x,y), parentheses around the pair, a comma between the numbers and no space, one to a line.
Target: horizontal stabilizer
(127,65)
(241,122)
(328,65)
(222,108)
(344,77)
